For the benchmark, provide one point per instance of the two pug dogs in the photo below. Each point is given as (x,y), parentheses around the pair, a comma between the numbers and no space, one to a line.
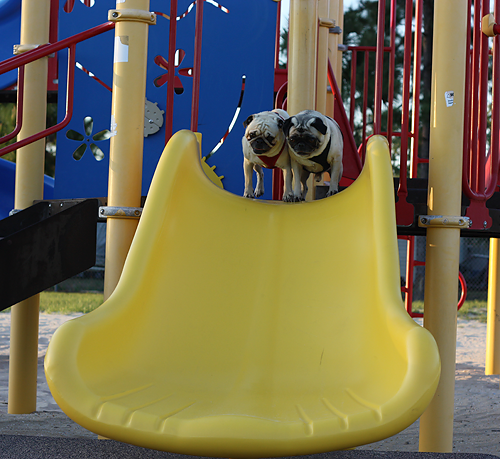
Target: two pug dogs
(308,142)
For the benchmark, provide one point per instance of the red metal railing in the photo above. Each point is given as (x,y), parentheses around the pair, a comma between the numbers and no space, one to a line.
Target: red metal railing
(481,167)
(20,103)
(172,40)
(30,56)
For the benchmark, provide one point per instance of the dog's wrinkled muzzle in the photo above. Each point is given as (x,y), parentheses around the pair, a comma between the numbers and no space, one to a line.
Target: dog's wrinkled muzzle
(303,144)
(261,144)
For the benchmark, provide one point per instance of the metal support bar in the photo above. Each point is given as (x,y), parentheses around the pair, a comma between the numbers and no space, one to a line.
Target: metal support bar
(35,19)
(19,49)
(326,22)
(129,14)
(119,212)
(443,221)
(127,112)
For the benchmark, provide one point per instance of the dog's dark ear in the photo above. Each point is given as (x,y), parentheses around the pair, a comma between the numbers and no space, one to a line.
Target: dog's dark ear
(280,122)
(248,121)
(319,125)
(286,126)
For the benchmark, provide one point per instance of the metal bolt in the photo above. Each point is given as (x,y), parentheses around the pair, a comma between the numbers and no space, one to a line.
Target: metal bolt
(485,224)
(423,220)
(115,14)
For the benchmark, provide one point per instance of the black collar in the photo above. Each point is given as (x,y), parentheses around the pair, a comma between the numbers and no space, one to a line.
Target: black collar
(322,158)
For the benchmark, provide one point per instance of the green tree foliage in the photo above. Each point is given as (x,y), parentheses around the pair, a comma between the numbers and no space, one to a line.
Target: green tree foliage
(8,123)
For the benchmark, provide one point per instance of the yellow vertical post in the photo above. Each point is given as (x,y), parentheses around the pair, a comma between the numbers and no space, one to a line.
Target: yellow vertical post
(444,198)
(492,366)
(323,43)
(335,55)
(302,52)
(302,45)
(127,125)
(23,360)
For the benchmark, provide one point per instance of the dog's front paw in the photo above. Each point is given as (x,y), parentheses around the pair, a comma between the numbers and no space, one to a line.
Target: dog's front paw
(248,194)
(288,197)
(259,192)
(331,193)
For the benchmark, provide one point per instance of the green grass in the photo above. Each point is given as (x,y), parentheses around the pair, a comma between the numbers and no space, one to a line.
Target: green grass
(471,310)
(68,303)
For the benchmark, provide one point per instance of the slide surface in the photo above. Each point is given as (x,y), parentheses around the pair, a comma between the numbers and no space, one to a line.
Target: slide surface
(244,328)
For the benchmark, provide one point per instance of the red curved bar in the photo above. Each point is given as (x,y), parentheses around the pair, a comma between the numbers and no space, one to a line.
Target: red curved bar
(43,51)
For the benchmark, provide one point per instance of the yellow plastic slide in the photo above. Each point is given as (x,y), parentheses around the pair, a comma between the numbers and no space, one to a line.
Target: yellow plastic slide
(245,328)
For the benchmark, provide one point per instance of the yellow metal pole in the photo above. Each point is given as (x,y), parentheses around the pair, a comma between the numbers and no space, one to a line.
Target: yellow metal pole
(302,52)
(127,124)
(30,161)
(493,327)
(444,198)
(336,39)
(323,42)
(302,46)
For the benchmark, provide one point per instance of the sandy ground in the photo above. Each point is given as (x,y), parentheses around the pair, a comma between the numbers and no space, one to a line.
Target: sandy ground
(477,397)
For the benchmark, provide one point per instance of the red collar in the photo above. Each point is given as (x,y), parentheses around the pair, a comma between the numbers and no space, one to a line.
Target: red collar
(270,161)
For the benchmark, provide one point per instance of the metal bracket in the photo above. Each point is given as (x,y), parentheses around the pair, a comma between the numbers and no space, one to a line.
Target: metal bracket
(19,49)
(488,24)
(119,212)
(443,221)
(336,30)
(326,22)
(129,14)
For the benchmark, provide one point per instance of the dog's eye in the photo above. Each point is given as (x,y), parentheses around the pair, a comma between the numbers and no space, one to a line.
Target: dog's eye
(252,135)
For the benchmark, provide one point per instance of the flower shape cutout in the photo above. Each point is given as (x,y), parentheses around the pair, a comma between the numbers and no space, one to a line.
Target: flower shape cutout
(163,63)
(88,139)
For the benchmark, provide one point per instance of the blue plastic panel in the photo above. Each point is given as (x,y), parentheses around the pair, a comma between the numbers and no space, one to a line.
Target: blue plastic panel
(8,184)
(10,31)
(236,43)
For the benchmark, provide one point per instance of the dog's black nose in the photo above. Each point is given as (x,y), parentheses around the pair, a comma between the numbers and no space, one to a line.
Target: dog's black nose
(259,144)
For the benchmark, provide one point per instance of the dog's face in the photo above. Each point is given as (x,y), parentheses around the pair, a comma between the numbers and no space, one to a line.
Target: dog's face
(305,132)
(263,131)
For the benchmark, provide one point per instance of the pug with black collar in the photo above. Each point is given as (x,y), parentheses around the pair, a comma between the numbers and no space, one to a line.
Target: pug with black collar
(315,144)
(264,145)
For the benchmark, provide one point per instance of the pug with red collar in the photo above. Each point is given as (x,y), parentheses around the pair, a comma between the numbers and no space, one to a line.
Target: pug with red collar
(315,144)
(264,145)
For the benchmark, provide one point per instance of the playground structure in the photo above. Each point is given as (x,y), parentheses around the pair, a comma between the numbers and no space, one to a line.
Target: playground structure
(445,200)
(214,366)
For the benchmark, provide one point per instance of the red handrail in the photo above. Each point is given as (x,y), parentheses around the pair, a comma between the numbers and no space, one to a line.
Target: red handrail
(20,102)
(43,51)
(480,169)
(195,102)
(69,111)
(172,34)
(379,68)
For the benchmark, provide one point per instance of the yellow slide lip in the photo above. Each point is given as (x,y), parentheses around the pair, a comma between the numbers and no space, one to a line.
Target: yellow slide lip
(196,353)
